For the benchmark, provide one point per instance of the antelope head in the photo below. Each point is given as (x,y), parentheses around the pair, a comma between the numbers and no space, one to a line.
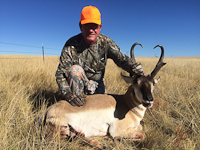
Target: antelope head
(143,85)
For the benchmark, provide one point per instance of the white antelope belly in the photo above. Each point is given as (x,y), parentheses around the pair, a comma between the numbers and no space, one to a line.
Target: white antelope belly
(92,122)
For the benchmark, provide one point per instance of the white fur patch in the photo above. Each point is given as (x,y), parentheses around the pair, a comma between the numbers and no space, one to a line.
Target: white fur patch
(89,123)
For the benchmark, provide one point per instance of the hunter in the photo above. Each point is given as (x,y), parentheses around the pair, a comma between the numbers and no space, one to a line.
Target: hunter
(84,57)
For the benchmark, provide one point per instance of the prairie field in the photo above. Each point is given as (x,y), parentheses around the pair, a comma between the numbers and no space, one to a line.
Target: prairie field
(28,87)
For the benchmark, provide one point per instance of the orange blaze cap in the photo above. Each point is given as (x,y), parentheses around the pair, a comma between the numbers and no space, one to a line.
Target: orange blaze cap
(90,14)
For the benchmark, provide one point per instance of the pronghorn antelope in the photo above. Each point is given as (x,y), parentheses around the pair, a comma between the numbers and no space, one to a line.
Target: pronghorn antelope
(118,116)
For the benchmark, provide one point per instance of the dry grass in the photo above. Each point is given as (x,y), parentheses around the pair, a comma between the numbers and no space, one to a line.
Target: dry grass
(27,86)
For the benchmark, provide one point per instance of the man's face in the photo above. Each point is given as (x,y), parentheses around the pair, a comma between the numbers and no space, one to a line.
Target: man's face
(90,32)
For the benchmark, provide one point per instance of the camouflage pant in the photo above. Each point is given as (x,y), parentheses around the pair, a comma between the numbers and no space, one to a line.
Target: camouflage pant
(78,82)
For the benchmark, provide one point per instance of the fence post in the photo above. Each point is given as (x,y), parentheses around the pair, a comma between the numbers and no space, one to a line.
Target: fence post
(43,51)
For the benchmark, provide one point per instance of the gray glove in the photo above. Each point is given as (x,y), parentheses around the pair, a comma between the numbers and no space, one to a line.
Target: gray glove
(137,69)
(91,86)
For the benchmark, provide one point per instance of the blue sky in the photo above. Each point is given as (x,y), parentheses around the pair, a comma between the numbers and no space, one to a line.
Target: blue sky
(175,24)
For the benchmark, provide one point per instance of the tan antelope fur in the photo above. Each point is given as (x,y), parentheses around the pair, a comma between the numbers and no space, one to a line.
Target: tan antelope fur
(118,116)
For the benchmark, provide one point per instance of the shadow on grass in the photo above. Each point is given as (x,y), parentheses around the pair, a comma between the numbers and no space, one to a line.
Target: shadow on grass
(47,98)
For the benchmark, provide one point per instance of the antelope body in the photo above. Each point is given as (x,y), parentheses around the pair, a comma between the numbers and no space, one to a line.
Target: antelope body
(118,116)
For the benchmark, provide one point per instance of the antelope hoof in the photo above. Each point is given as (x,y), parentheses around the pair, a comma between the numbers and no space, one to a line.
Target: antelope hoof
(103,147)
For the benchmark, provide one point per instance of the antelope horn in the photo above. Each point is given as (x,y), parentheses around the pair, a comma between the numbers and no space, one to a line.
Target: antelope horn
(160,62)
(132,54)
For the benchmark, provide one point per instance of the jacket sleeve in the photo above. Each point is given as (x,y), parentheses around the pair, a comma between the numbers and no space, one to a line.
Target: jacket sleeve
(65,63)
(121,60)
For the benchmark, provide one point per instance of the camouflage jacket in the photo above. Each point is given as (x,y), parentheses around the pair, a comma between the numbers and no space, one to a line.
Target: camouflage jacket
(92,58)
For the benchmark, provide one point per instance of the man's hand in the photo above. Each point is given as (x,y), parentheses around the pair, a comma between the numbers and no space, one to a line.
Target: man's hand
(137,69)
(74,100)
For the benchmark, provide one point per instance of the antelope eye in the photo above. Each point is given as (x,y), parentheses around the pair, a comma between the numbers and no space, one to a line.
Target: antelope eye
(135,82)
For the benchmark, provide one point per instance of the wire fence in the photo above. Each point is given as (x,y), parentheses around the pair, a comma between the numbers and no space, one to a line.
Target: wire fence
(33,50)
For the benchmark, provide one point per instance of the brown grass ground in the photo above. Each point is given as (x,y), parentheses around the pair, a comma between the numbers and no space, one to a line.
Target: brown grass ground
(28,86)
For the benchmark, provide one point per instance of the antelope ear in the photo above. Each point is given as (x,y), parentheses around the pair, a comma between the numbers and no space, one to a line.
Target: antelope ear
(127,79)
(156,81)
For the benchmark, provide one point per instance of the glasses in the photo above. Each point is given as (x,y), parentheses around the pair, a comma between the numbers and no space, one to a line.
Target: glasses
(92,26)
